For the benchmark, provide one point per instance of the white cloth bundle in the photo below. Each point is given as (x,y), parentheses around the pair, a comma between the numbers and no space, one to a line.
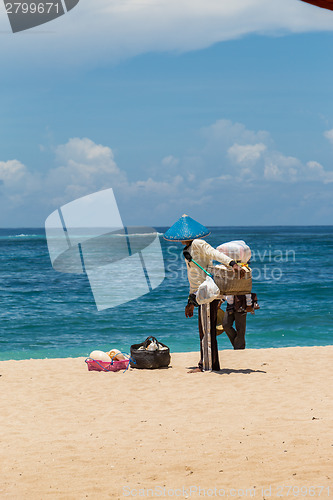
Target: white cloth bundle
(237,250)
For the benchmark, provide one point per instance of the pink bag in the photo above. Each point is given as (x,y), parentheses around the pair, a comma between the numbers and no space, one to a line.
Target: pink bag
(105,366)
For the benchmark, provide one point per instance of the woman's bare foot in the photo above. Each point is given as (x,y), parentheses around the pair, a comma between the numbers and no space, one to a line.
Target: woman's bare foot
(195,370)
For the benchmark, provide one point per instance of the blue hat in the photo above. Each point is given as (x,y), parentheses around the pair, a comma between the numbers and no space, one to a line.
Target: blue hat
(186,229)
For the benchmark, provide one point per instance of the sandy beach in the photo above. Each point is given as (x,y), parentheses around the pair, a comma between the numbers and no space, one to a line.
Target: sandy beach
(261,427)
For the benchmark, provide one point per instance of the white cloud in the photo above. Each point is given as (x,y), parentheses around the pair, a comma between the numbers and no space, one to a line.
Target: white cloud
(329,135)
(11,172)
(113,29)
(213,179)
(253,157)
(317,172)
(159,187)
(81,167)
(282,168)
(84,167)
(170,161)
(84,150)
(250,153)
(224,133)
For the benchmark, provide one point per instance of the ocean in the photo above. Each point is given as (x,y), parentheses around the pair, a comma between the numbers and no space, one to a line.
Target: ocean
(49,314)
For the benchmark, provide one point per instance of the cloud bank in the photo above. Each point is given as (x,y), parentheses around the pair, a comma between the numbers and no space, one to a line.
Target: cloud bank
(109,30)
(235,176)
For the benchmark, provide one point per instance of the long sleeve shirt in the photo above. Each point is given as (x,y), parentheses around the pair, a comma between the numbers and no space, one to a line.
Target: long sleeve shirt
(203,254)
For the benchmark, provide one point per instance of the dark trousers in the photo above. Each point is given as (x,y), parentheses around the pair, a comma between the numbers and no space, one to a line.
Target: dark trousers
(214,349)
(236,336)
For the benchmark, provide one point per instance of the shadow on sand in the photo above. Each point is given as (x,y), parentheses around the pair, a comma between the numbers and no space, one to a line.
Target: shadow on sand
(228,371)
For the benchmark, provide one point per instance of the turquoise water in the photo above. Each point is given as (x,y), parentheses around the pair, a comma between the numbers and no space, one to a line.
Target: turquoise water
(47,314)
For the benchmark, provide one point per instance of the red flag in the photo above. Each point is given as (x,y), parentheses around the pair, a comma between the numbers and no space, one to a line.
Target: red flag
(325,4)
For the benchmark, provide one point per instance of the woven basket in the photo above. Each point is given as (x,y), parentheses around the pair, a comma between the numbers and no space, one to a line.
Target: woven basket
(229,282)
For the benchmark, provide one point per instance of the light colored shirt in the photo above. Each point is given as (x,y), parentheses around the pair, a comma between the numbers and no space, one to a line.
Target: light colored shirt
(204,254)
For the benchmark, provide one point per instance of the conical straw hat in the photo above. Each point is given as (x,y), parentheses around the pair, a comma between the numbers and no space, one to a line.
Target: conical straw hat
(186,229)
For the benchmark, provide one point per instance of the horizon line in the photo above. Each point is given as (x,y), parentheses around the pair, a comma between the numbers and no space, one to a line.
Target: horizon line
(209,226)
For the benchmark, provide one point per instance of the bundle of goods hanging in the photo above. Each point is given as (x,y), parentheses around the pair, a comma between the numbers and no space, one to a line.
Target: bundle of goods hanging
(228,280)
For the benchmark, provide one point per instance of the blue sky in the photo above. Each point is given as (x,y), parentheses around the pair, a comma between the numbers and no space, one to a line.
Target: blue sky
(222,112)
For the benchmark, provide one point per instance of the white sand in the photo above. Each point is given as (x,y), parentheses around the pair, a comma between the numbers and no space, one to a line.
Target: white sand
(264,421)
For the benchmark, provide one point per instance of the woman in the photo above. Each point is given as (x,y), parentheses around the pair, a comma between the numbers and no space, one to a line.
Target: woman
(190,233)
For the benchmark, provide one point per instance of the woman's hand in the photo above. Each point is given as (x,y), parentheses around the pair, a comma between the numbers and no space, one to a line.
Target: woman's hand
(189,310)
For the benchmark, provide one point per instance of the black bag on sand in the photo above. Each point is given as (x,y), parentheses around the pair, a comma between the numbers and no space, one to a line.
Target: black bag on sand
(143,358)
